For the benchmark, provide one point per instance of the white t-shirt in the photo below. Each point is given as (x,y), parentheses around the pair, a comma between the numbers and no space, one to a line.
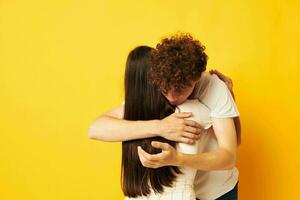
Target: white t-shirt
(213,93)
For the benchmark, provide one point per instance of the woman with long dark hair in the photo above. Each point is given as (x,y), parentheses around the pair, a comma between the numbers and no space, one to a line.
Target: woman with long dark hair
(144,102)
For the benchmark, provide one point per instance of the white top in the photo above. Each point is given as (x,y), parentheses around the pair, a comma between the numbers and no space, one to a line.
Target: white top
(183,186)
(213,93)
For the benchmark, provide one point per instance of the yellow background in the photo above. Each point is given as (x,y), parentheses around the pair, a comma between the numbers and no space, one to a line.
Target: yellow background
(62,65)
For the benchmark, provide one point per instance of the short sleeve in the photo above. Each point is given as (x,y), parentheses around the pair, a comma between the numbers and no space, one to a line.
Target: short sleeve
(221,102)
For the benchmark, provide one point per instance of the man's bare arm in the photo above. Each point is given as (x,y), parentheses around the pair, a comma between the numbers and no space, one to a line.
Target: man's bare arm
(229,83)
(221,159)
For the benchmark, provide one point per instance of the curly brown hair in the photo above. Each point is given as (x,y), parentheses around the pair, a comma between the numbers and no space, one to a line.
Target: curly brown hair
(176,61)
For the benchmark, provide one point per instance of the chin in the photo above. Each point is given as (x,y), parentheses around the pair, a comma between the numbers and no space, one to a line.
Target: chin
(179,102)
(173,103)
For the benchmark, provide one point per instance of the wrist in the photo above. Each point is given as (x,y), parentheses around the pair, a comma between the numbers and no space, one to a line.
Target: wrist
(179,159)
(146,128)
(157,128)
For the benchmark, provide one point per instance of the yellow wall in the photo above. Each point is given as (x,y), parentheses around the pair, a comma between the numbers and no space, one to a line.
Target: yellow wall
(62,64)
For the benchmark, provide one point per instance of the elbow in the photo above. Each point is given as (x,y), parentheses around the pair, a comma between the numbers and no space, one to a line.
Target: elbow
(91,133)
(96,129)
(94,134)
(230,166)
(231,162)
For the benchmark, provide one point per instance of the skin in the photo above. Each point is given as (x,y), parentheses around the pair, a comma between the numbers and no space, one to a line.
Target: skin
(221,159)
(178,98)
(111,127)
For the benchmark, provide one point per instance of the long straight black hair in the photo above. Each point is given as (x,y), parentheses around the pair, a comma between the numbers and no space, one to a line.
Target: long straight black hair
(143,102)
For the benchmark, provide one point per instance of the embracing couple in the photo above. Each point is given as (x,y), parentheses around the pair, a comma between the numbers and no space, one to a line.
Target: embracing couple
(179,125)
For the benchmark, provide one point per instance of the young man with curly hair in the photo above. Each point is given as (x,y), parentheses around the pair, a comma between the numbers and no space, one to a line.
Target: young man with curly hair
(178,69)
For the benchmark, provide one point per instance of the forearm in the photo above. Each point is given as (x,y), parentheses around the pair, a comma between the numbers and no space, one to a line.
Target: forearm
(112,129)
(220,159)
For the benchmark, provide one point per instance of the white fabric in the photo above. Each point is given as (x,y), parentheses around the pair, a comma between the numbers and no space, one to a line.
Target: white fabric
(213,92)
(183,187)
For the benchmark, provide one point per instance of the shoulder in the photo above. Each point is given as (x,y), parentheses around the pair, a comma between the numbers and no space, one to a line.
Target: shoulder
(217,86)
(209,86)
(189,105)
(215,80)
(204,79)
(201,113)
(201,86)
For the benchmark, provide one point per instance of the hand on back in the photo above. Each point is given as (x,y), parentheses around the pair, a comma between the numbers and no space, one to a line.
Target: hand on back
(227,80)
(177,127)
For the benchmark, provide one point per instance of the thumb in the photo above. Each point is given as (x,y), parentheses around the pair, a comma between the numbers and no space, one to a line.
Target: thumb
(160,145)
(183,115)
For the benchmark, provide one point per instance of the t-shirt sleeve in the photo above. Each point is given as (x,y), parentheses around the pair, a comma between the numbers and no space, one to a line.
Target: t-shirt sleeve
(221,102)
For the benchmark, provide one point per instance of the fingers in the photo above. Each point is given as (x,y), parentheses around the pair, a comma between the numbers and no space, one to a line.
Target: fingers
(146,155)
(224,78)
(183,115)
(192,132)
(148,160)
(192,124)
(219,74)
(160,145)
(212,71)
(145,162)
(190,135)
(186,140)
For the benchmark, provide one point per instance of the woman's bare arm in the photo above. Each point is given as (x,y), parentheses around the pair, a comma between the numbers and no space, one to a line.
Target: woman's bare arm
(111,127)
